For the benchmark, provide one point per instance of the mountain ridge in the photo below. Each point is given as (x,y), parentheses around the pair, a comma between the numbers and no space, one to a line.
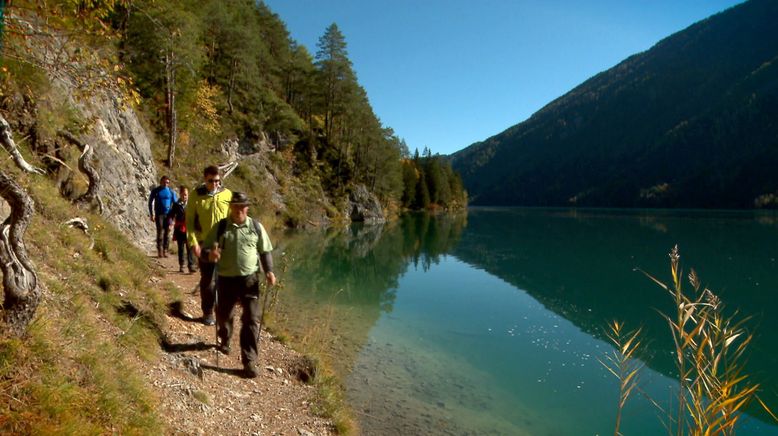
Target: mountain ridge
(656,130)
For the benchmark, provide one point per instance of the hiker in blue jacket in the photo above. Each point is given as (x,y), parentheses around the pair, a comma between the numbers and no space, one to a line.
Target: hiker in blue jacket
(160,201)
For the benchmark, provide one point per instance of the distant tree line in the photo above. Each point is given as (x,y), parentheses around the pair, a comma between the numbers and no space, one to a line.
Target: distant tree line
(430,182)
(209,69)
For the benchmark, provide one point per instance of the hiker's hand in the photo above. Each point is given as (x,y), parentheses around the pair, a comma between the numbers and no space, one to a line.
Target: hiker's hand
(215,254)
(196,250)
(270,278)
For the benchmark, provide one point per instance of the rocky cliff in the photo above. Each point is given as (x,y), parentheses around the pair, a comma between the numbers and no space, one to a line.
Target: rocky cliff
(125,163)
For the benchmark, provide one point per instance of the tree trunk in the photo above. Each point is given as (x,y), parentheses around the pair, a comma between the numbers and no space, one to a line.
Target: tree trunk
(328,109)
(374,174)
(231,84)
(170,100)
(8,143)
(20,283)
(92,193)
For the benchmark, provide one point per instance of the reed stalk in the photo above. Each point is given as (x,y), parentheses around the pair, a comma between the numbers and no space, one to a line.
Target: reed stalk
(710,348)
(622,364)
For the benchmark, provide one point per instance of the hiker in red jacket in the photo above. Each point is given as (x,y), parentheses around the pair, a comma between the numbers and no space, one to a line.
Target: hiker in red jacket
(177,219)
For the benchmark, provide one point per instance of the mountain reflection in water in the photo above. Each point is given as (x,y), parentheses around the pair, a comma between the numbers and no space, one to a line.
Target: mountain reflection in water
(489,323)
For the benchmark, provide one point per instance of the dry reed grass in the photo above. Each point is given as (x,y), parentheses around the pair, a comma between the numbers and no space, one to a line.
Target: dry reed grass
(710,354)
(622,364)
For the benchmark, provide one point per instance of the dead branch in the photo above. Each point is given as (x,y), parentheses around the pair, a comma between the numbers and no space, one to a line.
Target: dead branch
(7,140)
(80,223)
(20,283)
(227,168)
(92,193)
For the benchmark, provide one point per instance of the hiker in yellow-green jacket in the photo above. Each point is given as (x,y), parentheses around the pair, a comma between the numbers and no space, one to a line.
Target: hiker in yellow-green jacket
(209,203)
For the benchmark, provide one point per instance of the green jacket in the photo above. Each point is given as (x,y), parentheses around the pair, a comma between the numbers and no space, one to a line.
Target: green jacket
(203,211)
(241,247)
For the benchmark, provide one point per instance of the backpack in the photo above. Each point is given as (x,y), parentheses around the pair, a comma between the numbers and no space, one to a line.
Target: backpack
(221,227)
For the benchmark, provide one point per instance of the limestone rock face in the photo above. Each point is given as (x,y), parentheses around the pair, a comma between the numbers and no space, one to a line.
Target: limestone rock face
(122,156)
(363,206)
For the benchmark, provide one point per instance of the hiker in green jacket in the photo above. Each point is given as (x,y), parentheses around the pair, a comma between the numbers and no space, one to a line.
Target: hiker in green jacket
(239,244)
(208,204)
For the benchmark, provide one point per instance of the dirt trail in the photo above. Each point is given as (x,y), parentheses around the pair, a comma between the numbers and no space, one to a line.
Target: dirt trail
(203,392)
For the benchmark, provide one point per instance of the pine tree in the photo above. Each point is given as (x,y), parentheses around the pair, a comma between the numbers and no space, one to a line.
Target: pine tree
(422,193)
(410,179)
(336,77)
(162,50)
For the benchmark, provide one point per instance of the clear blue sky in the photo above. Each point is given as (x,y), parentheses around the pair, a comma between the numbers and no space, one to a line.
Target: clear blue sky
(446,73)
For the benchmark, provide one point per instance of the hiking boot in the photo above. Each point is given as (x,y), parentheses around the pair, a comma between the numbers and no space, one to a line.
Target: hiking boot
(209,320)
(159,253)
(181,269)
(250,370)
(224,348)
(192,270)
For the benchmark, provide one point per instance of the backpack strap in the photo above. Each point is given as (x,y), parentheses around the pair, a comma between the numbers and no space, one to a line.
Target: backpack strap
(221,227)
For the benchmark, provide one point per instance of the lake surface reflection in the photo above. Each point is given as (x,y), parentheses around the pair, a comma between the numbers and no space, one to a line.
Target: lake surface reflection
(493,322)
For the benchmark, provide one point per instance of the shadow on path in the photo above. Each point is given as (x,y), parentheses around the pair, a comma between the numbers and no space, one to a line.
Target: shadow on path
(229,371)
(176,310)
(180,348)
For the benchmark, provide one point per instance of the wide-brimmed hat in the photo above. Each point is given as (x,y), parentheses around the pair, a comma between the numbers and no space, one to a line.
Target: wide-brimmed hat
(240,198)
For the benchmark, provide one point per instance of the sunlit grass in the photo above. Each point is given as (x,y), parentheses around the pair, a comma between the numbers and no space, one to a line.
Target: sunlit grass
(76,372)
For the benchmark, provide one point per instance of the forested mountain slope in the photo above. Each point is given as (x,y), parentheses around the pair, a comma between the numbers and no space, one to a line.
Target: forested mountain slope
(217,70)
(692,122)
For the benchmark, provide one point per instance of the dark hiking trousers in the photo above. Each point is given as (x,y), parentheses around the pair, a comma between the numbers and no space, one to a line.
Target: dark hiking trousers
(243,289)
(163,234)
(184,248)
(207,287)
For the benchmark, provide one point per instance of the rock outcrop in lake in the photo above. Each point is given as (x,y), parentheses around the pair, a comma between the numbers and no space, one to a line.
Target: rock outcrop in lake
(363,206)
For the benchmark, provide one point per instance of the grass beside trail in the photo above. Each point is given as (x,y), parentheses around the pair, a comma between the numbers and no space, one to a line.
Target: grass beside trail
(102,309)
(74,373)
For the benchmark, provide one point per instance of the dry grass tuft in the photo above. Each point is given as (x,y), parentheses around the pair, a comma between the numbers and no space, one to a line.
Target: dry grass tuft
(710,347)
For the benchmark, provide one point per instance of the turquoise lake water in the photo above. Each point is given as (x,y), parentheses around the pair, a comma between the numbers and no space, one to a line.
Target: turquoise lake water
(493,322)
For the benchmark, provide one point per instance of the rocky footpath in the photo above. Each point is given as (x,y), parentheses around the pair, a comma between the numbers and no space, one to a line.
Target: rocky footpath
(202,392)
